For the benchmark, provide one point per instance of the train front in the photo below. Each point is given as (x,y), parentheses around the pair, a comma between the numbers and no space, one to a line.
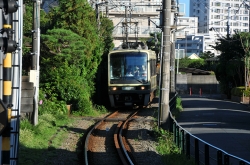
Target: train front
(129,78)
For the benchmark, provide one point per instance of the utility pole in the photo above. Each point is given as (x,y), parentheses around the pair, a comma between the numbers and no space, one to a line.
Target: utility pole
(164,104)
(35,68)
(172,64)
(126,24)
(186,44)
(228,23)
(107,8)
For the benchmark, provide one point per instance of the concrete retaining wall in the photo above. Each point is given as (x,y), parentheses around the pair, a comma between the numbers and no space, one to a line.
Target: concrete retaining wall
(207,84)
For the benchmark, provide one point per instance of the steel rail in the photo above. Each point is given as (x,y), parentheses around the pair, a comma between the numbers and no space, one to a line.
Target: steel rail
(121,140)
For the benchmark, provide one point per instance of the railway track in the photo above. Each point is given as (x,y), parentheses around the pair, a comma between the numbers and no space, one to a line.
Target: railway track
(105,143)
(125,137)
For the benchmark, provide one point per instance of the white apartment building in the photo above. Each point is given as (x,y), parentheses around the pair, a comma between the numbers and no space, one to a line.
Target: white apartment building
(195,44)
(187,26)
(214,15)
(142,18)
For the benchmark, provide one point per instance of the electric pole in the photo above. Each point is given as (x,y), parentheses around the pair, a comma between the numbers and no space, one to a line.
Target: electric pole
(228,23)
(172,65)
(34,72)
(164,104)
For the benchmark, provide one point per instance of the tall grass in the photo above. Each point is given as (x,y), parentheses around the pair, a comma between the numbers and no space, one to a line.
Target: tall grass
(171,154)
(34,139)
(167,148)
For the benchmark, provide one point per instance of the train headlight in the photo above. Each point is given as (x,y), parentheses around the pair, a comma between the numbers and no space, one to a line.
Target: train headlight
(142,87)
(113,88)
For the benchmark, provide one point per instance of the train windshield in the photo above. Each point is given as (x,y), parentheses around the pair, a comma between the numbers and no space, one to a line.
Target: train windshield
(129,66)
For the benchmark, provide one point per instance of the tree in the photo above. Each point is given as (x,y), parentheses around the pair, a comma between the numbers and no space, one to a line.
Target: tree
(63,67)
(154,42)
(206,55)
(244,39)
(72,51)
(229,71)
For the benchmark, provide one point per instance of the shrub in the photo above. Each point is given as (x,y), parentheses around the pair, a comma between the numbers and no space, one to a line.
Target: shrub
(239,91)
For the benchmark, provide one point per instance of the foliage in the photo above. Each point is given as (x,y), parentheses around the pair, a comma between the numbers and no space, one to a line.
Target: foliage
(191,63)
(206,55)
(51,105)
(34,139)
(65,68)
(229,71)
(239,91)
(170,152)
(101,86)
(154,43)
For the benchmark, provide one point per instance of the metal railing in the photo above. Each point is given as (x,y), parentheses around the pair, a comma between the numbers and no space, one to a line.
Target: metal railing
(196,148)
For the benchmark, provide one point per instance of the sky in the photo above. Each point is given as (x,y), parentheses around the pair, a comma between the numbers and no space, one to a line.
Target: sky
(187,6)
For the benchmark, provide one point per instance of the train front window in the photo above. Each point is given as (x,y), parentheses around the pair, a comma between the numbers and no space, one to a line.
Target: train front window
(128,65)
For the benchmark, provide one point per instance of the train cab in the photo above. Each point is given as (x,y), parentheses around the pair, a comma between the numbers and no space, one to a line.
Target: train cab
(131,77)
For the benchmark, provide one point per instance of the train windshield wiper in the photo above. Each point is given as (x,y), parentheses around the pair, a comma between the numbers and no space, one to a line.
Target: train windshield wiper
(141,81)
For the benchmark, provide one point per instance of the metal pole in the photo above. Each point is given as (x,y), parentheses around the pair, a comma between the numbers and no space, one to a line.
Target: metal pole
(166,63)
(126,24)
(178,57)
(186,44)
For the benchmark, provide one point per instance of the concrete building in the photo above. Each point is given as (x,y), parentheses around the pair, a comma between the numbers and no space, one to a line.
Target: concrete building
(139,17)
(214,15)
(196,44)
(189,26)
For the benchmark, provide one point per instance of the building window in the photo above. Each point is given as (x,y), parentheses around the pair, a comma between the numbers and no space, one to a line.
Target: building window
(245,24)
(217,17)
(235,24)
(245,18)
(217,11)
(217,4)
(236,5)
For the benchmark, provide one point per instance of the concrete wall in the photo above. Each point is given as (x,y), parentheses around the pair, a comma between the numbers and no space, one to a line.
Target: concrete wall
(207,84)
(27,96)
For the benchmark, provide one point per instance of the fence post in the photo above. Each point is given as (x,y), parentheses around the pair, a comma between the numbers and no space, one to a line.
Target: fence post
(219,158)
(174,131)
(182,141)
(190,91)
(177,137)
(171,125)
(242,163)
(196,151)
(226,160)
(206,154)
(188,146)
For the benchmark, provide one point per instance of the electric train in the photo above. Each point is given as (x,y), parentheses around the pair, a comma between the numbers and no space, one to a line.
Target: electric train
(132,77)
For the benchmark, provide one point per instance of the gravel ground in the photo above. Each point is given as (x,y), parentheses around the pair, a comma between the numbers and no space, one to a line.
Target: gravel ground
(69,153)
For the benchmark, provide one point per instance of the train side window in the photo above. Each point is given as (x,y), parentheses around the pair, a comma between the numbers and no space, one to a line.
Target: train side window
(153,67)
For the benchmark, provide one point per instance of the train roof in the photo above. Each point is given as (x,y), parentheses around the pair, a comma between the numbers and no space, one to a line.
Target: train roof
(151,53)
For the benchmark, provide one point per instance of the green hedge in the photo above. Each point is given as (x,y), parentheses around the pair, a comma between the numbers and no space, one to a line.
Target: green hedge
(239,91)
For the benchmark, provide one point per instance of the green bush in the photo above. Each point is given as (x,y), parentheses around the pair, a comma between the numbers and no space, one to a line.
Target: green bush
(239,91)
